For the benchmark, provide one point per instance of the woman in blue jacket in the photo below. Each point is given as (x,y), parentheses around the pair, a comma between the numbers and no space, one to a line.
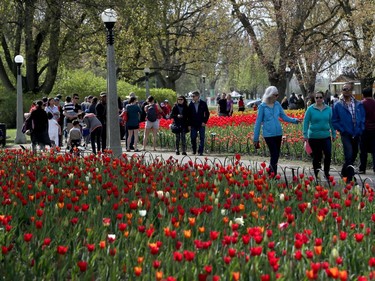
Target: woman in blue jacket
(317,130)
(269,112)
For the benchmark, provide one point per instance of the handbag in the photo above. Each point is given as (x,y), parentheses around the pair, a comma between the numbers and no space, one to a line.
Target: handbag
(124,116)
(175,128)
(307,148)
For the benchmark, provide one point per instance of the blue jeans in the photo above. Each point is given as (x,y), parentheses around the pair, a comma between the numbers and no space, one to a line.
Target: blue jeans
(274,145)
(318,147)
(350,145)
(193,136)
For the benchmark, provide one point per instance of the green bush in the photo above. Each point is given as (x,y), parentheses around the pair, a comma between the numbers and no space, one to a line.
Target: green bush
(8,105)
(85,83)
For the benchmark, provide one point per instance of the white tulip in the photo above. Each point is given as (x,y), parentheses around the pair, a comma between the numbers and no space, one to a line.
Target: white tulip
(142,213)
(239,221)
(224,212)
(282,197)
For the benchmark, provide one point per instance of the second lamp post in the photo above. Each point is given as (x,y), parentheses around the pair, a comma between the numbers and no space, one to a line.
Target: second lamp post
(109,17)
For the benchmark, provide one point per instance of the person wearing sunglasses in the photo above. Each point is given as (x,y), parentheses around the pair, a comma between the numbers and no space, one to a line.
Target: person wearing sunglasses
(269,112)
(318,132)
(180,119)
(349,119)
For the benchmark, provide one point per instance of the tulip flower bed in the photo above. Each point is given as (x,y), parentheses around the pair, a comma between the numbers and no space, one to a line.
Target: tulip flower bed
(235,135)
(98,218)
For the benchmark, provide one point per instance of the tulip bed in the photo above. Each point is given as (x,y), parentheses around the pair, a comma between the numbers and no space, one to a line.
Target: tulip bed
(136,218)
(235,135)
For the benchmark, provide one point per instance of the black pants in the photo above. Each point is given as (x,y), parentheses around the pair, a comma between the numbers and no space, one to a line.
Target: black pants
(96,136)
(350,145)
(274,145)
(367,145)
(320,147)
(181,137)
(131,145)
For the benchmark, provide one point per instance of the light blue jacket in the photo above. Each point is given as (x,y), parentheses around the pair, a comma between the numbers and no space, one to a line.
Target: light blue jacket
(268,118)
(318,124)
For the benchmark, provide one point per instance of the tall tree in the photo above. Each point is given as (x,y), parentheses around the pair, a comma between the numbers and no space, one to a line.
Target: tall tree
(282,31)
(41,31)
(358,35)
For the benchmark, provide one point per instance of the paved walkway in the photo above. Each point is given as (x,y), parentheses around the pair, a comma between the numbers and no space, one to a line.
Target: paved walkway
(287,168)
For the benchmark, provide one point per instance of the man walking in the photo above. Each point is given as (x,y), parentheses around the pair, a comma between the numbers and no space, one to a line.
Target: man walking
(349,119)
(198,115)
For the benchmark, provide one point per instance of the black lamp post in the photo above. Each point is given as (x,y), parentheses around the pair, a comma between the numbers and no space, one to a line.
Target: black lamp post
(109,17)
(147,76)
(20,137)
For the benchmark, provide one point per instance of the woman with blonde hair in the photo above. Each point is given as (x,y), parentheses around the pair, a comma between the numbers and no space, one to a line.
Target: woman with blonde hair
(269,112)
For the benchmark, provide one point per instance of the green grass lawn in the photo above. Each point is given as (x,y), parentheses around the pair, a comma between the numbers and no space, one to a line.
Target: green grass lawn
(11,135)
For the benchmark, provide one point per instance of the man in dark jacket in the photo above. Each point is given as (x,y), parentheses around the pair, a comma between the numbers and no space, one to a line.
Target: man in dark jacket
(198,117)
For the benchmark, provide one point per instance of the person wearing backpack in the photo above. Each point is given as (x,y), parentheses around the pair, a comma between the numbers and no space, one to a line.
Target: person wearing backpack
(153,114)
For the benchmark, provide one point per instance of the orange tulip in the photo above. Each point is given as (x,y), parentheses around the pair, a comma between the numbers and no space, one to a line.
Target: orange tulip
(158,275)
(187,233)
(191,221)
(201,229)
(137,270)
(343,275)
(310,274)
(236,276)
(102,244)
(333,272)
(318,250)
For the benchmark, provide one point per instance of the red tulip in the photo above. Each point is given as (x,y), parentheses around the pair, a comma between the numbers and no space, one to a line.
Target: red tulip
(177,256)
(61,250)
(27,237)
(189,255)
(82,266)
(359,237)
(90,247)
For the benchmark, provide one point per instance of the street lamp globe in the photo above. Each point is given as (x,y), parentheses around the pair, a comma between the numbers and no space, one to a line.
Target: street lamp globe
(109,16)
(147,71)
(18,59)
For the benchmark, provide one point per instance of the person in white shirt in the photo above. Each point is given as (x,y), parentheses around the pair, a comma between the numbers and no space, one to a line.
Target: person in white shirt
(54,130)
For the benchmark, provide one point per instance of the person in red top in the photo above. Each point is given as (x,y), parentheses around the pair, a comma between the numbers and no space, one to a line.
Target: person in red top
(367,143)
(241,104)
(168,109)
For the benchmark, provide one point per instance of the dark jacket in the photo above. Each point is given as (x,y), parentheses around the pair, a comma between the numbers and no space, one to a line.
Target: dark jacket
(196,118)
(101,113)
(181,122)
(39,120)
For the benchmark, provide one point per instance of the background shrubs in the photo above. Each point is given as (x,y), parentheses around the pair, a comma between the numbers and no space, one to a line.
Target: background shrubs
(84,83)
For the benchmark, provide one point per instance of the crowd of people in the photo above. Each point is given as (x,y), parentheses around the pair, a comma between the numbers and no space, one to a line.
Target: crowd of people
(353,119)
(51,122)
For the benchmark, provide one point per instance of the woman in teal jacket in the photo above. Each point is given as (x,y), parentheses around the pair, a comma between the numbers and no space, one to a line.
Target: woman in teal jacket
(269,112)
(318,130)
